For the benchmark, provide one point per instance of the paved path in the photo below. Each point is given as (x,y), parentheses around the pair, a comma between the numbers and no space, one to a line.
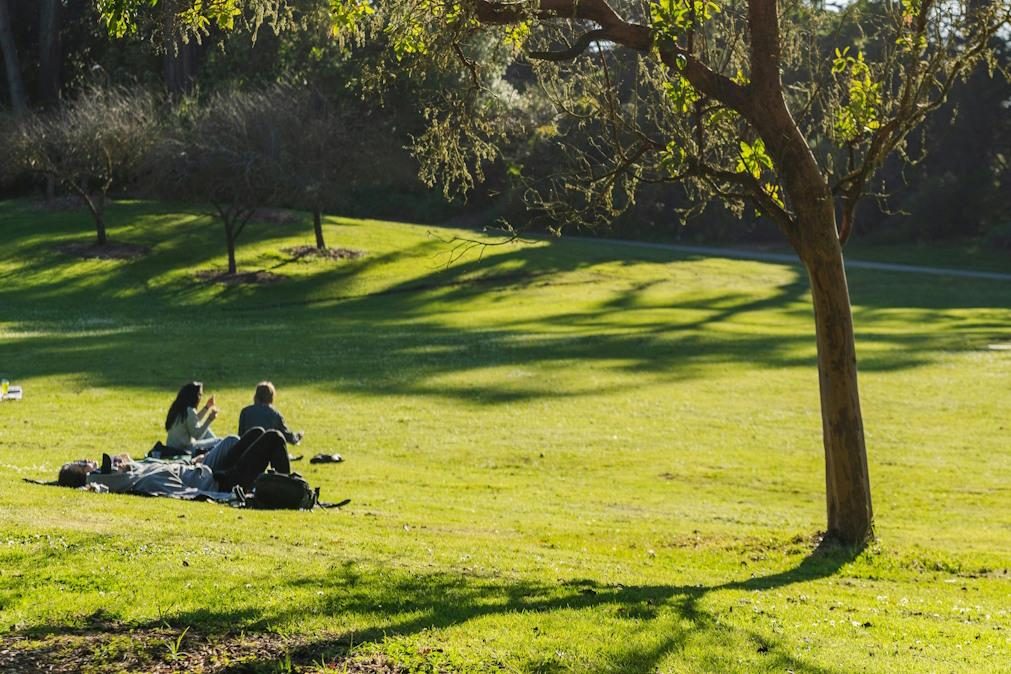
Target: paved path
(737,253)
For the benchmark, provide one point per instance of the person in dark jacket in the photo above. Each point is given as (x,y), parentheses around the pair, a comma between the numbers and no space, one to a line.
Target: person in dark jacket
(263,414)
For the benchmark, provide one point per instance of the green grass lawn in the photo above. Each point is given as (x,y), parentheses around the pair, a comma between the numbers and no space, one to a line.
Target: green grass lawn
(562,457)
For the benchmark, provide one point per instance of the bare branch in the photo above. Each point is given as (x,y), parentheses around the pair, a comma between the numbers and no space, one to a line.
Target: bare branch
(463,245)
(469,64)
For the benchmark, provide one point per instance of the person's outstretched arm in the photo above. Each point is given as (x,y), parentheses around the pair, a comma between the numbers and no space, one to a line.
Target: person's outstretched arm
(293,438)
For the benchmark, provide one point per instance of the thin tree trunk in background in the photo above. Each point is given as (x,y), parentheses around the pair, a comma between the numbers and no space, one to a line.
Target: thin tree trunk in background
(179,67)
(178,59)
(97,210)
(98,214)
(171,69)
(230,237)
(103,238)
(15,84)
(317,224)
(49,51)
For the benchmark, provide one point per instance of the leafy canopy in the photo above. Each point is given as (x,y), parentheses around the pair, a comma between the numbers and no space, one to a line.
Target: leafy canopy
(635,92)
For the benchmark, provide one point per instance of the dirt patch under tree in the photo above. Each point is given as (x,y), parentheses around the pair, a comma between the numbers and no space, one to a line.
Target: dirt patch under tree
(240,278)
(299,252)
(114,647)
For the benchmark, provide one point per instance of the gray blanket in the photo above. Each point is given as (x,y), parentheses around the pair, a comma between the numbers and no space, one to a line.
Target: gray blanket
(158,478)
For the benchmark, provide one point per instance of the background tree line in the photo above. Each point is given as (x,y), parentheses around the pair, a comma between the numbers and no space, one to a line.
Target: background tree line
(55,52)
(185,80)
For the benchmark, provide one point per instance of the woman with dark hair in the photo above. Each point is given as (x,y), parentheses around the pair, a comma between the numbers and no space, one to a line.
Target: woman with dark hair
(187,428)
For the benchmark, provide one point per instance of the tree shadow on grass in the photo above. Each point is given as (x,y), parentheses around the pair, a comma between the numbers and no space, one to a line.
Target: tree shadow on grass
(360,328)
(656,621)
(185,238)
(398,341)
(388,328)
(641,626)
(373,351)
(178,239)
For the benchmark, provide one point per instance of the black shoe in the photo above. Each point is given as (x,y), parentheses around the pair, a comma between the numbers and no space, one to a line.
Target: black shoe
(326,458)
(106,465)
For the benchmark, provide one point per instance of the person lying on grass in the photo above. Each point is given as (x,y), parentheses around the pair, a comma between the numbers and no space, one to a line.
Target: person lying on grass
(263,413)
(214,475)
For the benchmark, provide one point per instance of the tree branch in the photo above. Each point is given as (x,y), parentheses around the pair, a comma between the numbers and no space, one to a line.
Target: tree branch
(755,193)
(908,115)
(577,48)
(763,24)
(709,82)
(613,28)
(242,216)
(468,64)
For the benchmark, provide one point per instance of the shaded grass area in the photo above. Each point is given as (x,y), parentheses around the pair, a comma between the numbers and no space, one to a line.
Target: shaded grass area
(562,457)
(429,602)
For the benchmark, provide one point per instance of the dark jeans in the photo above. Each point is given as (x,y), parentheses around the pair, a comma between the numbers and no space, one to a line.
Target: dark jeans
(251,455)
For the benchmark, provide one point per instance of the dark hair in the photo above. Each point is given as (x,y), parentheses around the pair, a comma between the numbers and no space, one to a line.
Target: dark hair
(188,396)
(69,477)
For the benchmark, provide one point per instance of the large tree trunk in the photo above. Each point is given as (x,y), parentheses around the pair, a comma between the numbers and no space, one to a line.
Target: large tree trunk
(49,51)
(812,233)
(317,225)
(847,482)
(816,240)
(15,84)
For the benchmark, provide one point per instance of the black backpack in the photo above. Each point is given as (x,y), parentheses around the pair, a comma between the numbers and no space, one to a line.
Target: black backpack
(283,491)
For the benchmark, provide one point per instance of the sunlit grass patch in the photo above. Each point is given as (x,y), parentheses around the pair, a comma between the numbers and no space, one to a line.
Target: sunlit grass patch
(561,457)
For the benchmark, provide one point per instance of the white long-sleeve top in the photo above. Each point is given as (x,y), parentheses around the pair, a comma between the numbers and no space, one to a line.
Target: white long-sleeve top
(189,433)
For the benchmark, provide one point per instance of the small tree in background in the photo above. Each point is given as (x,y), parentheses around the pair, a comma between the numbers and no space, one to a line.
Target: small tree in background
(227,152)
(318,151)
(324,146)
(88,145)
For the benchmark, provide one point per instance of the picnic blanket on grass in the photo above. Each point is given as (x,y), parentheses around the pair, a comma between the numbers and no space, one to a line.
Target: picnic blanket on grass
(142,484)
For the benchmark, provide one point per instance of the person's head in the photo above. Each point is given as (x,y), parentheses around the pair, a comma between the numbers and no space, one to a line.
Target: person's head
(189,396)
(75,473)
(264,393)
